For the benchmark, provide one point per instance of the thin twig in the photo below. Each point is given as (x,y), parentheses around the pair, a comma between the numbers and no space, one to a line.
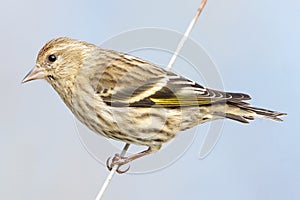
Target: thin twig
(186,35)
(179,47)
(111,174)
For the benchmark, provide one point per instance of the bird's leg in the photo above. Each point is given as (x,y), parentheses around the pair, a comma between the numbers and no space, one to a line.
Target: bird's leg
(120,160)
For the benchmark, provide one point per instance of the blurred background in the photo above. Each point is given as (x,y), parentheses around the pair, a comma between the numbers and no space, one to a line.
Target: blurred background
(255,46)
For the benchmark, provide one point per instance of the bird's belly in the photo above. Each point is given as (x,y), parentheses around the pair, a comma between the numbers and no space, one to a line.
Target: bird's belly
(137,125)
(141,126)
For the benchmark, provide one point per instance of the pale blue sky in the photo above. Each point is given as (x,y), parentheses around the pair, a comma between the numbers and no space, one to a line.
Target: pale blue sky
(255,46)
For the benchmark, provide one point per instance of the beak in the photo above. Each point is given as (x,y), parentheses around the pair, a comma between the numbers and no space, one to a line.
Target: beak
(35,73)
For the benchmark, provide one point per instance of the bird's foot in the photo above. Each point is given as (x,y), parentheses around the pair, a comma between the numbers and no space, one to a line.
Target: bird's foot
(119,161)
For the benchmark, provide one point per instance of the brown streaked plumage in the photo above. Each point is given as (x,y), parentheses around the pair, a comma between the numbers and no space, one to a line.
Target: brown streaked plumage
(126,98)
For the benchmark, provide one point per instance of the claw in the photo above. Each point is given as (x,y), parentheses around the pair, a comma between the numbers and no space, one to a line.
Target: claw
(122,171)
(117,160)
(108,164)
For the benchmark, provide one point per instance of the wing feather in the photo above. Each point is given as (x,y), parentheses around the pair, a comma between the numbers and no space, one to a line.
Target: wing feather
(130,81)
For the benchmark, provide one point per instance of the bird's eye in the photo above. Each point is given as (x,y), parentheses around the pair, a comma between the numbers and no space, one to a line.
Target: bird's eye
(52,58)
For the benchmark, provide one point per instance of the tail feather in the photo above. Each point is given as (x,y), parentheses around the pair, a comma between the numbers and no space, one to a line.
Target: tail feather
(236,108)
(243,112)
(232,116)
(264,113)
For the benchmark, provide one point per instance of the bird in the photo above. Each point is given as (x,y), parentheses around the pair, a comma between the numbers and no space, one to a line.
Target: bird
(126,98)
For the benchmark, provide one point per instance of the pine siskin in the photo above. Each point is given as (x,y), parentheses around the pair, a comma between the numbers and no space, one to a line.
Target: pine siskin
(131,100)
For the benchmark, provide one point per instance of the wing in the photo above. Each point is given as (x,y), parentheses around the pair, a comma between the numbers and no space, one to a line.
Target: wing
(130,81)
(180,91)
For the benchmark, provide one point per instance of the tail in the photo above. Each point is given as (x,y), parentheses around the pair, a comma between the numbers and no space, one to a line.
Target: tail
(264,113)
(243,112)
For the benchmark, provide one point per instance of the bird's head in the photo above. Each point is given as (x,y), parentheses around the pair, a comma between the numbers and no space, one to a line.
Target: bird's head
(58,59)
